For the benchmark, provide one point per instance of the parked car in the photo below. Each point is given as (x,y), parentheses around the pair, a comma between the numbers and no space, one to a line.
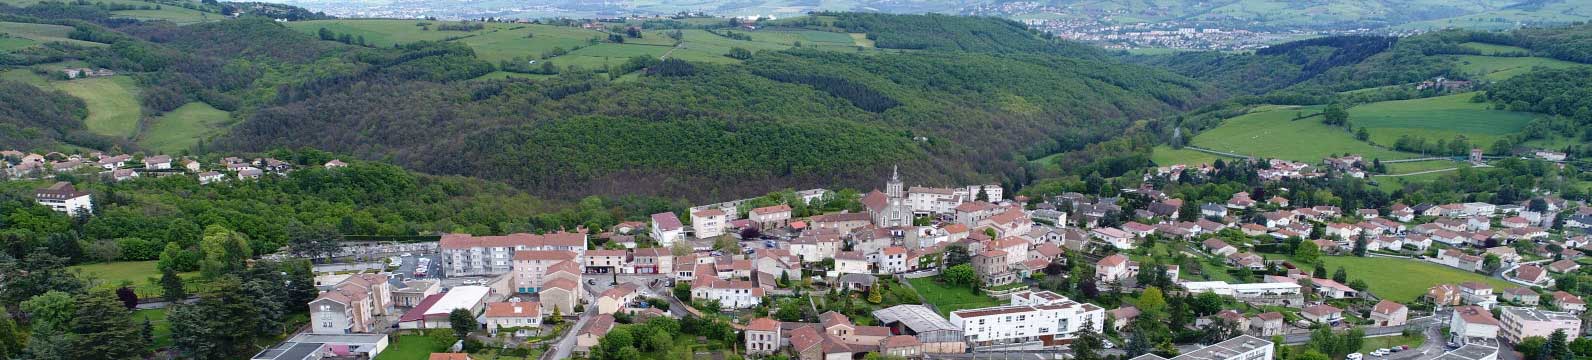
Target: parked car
(1354,356)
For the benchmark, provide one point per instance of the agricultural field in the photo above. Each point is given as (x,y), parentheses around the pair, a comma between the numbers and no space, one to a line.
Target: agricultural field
(1397,173)
(1494,49)
(112,103)
(1442,117)
(182,128)
(175,14)
(25,34)
(1500,68)
(1398,279)
(1167,156)
(1272,132)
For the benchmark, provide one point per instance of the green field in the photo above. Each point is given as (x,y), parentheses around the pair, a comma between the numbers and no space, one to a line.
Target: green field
(41,33)
(1167,156)
(1442,117)
(413,347)
(1390,183)
(112,103)
(948,299)
(137,273)
(167,12)
(1401,280)
(1493,49)
(8,43)
(1271,132)
(1500,68)
(1383,342)
(183,127)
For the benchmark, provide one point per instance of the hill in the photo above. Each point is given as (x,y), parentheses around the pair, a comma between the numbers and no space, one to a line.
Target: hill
(1278,132)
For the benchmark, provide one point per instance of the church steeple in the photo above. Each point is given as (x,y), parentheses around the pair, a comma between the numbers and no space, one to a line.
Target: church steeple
(893,188)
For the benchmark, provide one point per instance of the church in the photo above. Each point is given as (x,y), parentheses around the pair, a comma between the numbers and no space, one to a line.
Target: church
(889,208)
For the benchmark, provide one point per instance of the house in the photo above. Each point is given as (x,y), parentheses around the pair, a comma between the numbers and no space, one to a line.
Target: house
(851,262)
(731,294)
(561,294)
(762,336)
(1322,314)
(1367,213)
(1533,274)
(1388,313)
(1401,212)
(1444,295)
(708,223)
(432,313)
(1519,323)
(1564,266)
(815,245)
(771,217)
(1331,289)
(1514,222)
(1247,260)
(894,260)
(448,356)
(534,268)
(522,317)
(1521,296)
(63,197)
(1114,237)
(1470,322)
(616,298)
(843,223)
(1123,316)
(249,173)
(993,268)
(335,164)
(208,177)
(1477,293)
(1112,269)
(1219,248)
(1213,210)
(157,162)
(1266,324)
(120,175)
(1568,302)
(594,330)
(666,228)
(1137,229)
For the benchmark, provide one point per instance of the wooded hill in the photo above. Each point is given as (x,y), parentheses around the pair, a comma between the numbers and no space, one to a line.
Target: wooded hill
(792,118)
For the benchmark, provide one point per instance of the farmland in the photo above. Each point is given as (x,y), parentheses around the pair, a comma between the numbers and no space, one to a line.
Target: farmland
(1273,132)
(112,103)
(1442,117)
(183,127)
(175,14)
(586,48)
(1500,68)
(1402,280)
(24,34)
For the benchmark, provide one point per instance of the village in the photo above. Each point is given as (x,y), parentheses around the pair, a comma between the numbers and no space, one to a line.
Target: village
(936,272)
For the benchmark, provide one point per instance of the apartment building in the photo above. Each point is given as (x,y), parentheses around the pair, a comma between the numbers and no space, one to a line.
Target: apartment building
(63,197)
(352,306)
(1518,323)
(533,269)
(467,255)
(708,223)
(1243,347)
(1048,319)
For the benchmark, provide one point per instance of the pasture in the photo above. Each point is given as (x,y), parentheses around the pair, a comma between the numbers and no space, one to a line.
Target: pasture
(1274,133)
(112,103)
(1501,68)
(1397,279)
(37,33)
(1442,117)
(1494,49)
(1167,156)
(182,128)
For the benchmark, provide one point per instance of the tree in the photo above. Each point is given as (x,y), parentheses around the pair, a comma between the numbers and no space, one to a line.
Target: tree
(1362,134)
(739,53)
(1307,253)
(224,252)
(128,298)
(1335,115)
(1312,355)
(556,318)
(104,329)
(1558,346)
(11,337)
(312,241)
(1491,263)
(874,296)
(462,322)
(1189,211)
(1087,344)
(171,287)
(961,275)
(682,291)
(221,325)
(1320,272)
(1152,301)
(1533,348)
(956,254)
(1340,275)
(326,34)
(1360,245)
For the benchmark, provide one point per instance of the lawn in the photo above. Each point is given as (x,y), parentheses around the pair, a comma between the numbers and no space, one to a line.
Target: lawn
(414,347)
(948,299)
(1272,132)
(183,127)
(1401,280)
(157,319)
(1167,156)
(138,273)
(112,103)
(1383,342)
(1434,118)
(1500,68)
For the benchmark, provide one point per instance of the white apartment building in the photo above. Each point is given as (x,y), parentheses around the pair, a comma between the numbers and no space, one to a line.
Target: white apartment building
(928,200)
(1522,322)
(1471,321)
(62,197)
(708,223)
(1243,347)
(1047,319)
(466,255)
(666,228)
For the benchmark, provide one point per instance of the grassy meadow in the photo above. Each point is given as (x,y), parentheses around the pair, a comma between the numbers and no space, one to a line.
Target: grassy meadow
(26,34)
(182,128)
(947,299)
(1499,68)
(1442,117)
(1402,280)
(112,103)
(1272,132)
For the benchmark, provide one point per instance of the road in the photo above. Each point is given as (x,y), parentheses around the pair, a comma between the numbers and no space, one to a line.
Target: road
(1416,173)
(566,342)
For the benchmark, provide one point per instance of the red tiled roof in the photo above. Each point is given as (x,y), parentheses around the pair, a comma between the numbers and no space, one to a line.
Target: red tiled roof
(465,241)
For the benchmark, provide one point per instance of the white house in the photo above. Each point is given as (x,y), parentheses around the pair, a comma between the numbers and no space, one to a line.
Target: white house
(63,197)
(666,228)
(521,317)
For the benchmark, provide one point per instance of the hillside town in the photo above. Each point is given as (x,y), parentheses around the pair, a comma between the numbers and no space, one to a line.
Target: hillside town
(1122,257)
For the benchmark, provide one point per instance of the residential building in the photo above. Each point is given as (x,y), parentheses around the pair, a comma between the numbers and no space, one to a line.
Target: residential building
(432,313)
(1243,347)
(63,197)
(1521,296)
(1266,324)
(1471,321)
(708,223)
(1049,323)
(731,294)
(534,268)
(762,336)
(594,330)
(1568,302)
(666,228)
(771,217)
(1388,313)
(652,261)
(617,298)
(353,306)
(1322,314)
(1114,237)
(1518,323)
(561,294)
(466,255)
(523,317)
(411,293)
(992,267)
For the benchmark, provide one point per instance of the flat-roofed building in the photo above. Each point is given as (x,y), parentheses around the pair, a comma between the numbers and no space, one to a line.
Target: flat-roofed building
(1522,322)
(1242,347)
(1050,323)
(934,333)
